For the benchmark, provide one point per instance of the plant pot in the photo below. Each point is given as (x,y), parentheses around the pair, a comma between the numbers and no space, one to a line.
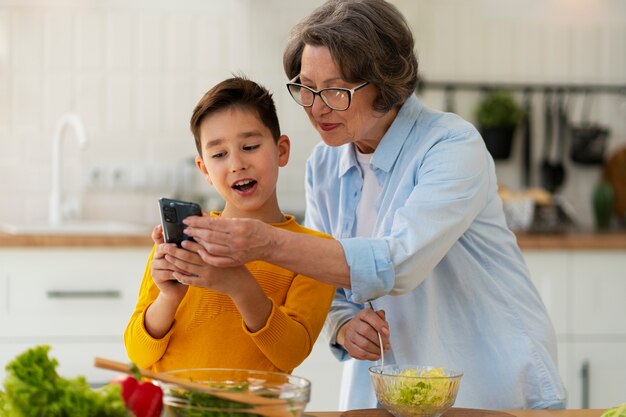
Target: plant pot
(499,140)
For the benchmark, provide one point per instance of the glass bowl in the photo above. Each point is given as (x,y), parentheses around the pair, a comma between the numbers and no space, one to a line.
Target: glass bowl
(415,391)
(235,393)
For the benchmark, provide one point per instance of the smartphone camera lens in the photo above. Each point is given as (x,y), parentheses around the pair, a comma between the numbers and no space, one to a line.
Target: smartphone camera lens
(169,213)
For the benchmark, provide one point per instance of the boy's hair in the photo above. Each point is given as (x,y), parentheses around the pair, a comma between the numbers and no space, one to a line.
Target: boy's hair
(236,92)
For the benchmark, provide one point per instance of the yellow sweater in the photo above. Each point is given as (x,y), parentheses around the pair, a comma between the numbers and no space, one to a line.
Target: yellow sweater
(208,331)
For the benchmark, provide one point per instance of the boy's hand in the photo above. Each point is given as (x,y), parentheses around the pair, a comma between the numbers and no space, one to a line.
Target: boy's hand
(162,270)
(359,336)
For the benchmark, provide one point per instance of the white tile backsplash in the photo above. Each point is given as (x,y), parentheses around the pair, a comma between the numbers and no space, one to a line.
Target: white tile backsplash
(150,42)
(119,104)
(58,40)
(90,40)
(120,50)
(27,109)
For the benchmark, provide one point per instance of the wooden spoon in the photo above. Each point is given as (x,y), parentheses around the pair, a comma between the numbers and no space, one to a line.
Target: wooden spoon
(270,407)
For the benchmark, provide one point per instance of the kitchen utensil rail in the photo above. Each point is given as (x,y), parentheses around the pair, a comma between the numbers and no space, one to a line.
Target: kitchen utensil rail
(619,89)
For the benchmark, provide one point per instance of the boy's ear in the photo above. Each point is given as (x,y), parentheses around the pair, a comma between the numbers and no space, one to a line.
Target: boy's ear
(202,168)
(284,146)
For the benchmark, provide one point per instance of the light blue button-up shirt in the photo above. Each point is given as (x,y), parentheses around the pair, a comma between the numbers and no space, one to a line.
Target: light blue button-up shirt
(441,262)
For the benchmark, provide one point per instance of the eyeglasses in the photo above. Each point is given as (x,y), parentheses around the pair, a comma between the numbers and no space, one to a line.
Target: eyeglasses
(336,98)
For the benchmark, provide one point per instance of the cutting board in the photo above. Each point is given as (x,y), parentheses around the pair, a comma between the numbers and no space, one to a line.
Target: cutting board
(452,412)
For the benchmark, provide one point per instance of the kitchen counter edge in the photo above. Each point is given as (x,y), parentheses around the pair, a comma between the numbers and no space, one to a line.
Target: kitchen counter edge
(574,241)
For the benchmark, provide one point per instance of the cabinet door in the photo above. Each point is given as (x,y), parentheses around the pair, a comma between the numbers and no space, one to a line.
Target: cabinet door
(4,297)
(598,374)
(549,272)
(599,289)
(71,293)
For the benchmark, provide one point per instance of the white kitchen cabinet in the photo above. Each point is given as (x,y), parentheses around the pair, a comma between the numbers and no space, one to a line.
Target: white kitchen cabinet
(583,291)
(78,301)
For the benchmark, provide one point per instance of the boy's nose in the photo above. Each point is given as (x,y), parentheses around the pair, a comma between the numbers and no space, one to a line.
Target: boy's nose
(237,164)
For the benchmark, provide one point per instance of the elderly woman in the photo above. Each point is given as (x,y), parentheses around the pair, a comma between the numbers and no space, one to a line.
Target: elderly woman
(410,194)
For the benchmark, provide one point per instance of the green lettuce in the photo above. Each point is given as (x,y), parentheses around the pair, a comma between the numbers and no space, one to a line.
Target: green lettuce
(421,392)
(32,388)
(619,411)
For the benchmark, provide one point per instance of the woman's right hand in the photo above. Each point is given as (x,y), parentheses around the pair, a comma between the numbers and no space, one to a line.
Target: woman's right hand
(359,336)
(229,242)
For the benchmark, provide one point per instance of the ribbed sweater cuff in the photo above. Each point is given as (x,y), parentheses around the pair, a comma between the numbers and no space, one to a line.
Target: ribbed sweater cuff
(149,343)
(274,330)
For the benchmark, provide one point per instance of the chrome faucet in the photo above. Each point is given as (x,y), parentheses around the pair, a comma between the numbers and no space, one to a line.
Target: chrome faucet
(58,209)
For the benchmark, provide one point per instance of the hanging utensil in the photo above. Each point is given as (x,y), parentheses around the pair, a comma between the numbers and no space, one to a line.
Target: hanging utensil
(588,140)
(547,177)
(558,167)
(527,155)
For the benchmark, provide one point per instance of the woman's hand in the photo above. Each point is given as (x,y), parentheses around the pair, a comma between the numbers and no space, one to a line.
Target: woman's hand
(359,336)
(228,242)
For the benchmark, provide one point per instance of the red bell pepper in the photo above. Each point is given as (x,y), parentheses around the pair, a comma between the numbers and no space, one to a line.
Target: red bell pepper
(144,399)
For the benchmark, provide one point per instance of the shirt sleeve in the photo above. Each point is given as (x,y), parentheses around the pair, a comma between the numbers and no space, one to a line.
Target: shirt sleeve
(449,188)
(297,323)
(142,349)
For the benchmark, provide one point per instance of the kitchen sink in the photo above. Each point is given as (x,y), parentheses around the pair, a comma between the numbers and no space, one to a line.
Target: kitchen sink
(86,227)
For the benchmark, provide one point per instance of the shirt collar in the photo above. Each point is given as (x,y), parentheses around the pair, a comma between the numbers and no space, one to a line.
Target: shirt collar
(390,145)
(392,142)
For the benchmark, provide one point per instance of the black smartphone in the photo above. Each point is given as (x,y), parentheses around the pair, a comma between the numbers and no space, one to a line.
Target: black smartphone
(172,214)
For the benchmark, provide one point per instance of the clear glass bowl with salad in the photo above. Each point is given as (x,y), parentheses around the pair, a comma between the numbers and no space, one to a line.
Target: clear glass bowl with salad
(415,391)
(235,393)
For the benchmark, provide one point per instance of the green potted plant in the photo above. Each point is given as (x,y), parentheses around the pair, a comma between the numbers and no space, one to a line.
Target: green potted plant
(497,117)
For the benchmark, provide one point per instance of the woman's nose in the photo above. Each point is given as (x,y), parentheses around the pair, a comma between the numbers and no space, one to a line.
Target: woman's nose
(319,107)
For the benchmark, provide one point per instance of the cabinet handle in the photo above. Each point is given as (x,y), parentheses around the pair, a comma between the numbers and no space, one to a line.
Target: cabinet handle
(84,294)
(584,377)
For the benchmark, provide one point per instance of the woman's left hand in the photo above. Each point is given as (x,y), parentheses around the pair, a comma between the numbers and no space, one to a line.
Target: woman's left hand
(359,336)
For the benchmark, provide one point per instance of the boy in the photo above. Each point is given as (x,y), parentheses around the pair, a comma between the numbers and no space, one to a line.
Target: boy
(258,316)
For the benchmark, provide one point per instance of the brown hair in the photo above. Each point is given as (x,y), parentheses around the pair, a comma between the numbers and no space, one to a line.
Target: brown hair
(236,91)
(369,40)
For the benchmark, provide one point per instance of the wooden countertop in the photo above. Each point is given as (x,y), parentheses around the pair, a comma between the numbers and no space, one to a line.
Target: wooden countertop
(574,241)
(516,413)
(74,241)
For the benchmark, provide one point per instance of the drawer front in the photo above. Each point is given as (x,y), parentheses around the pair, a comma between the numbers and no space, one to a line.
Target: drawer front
(75,358)
(72,293)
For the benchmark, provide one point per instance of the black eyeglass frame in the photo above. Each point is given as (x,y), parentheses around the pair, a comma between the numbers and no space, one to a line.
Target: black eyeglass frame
(350,92)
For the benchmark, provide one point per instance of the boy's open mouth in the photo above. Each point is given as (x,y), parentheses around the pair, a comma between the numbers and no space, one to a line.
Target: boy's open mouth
(244,185)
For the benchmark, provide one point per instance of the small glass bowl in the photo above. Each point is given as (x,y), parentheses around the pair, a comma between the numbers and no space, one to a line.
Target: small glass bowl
(415,391)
